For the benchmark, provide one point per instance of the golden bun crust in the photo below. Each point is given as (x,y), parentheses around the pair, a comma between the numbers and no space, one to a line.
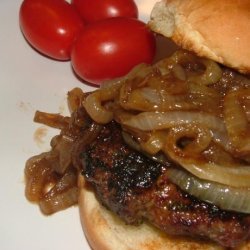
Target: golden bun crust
(216,29)
(105,231)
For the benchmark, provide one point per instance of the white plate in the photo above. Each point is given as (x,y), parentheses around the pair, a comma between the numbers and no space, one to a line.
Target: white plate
(29,82)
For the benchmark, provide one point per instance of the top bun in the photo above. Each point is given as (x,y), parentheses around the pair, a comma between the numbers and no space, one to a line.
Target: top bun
(216,29)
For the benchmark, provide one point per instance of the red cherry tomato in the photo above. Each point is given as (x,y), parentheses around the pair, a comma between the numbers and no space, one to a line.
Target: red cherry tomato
(111,48)
(94,10)
(50,26)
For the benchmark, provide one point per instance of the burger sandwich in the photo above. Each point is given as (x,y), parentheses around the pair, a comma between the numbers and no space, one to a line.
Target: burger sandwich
(160,158)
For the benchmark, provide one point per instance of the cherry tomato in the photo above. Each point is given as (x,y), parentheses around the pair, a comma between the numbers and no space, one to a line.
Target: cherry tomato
(50,26)
(94,10)
(111,48)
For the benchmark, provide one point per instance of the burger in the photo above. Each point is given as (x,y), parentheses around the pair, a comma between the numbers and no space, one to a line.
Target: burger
(159,159)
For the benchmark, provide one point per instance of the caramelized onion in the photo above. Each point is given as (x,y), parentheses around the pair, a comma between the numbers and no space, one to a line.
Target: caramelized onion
(212,73)
(195,139)
(62,149)
(37,173)
(87,137)
(138,79)
(52,120)
(62,195)
(59,202)
(216,153)
(237,176)
(179,72)
(155,142)
(166,65)
(81,143)
(147,121)
(75,98)
(96,110)
(137,74)
(236,120)
(149,99)
(225,197)
(158,157)
(94,104)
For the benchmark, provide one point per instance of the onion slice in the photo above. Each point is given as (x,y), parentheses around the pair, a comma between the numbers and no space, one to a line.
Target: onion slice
(147,121)
(150,99)
(59,202)
(236,120)
(37,172)
(63,195)
(236,176)
(212,74)
(225,197)
(52,120)
(94,103)
(74,98)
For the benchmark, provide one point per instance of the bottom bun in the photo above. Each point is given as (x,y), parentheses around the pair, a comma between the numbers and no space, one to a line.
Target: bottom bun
(105,231)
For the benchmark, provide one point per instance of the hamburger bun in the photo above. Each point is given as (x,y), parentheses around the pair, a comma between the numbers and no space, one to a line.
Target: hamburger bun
(218,30)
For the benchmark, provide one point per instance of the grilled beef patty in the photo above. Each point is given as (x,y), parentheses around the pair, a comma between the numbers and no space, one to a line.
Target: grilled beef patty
(137,188)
